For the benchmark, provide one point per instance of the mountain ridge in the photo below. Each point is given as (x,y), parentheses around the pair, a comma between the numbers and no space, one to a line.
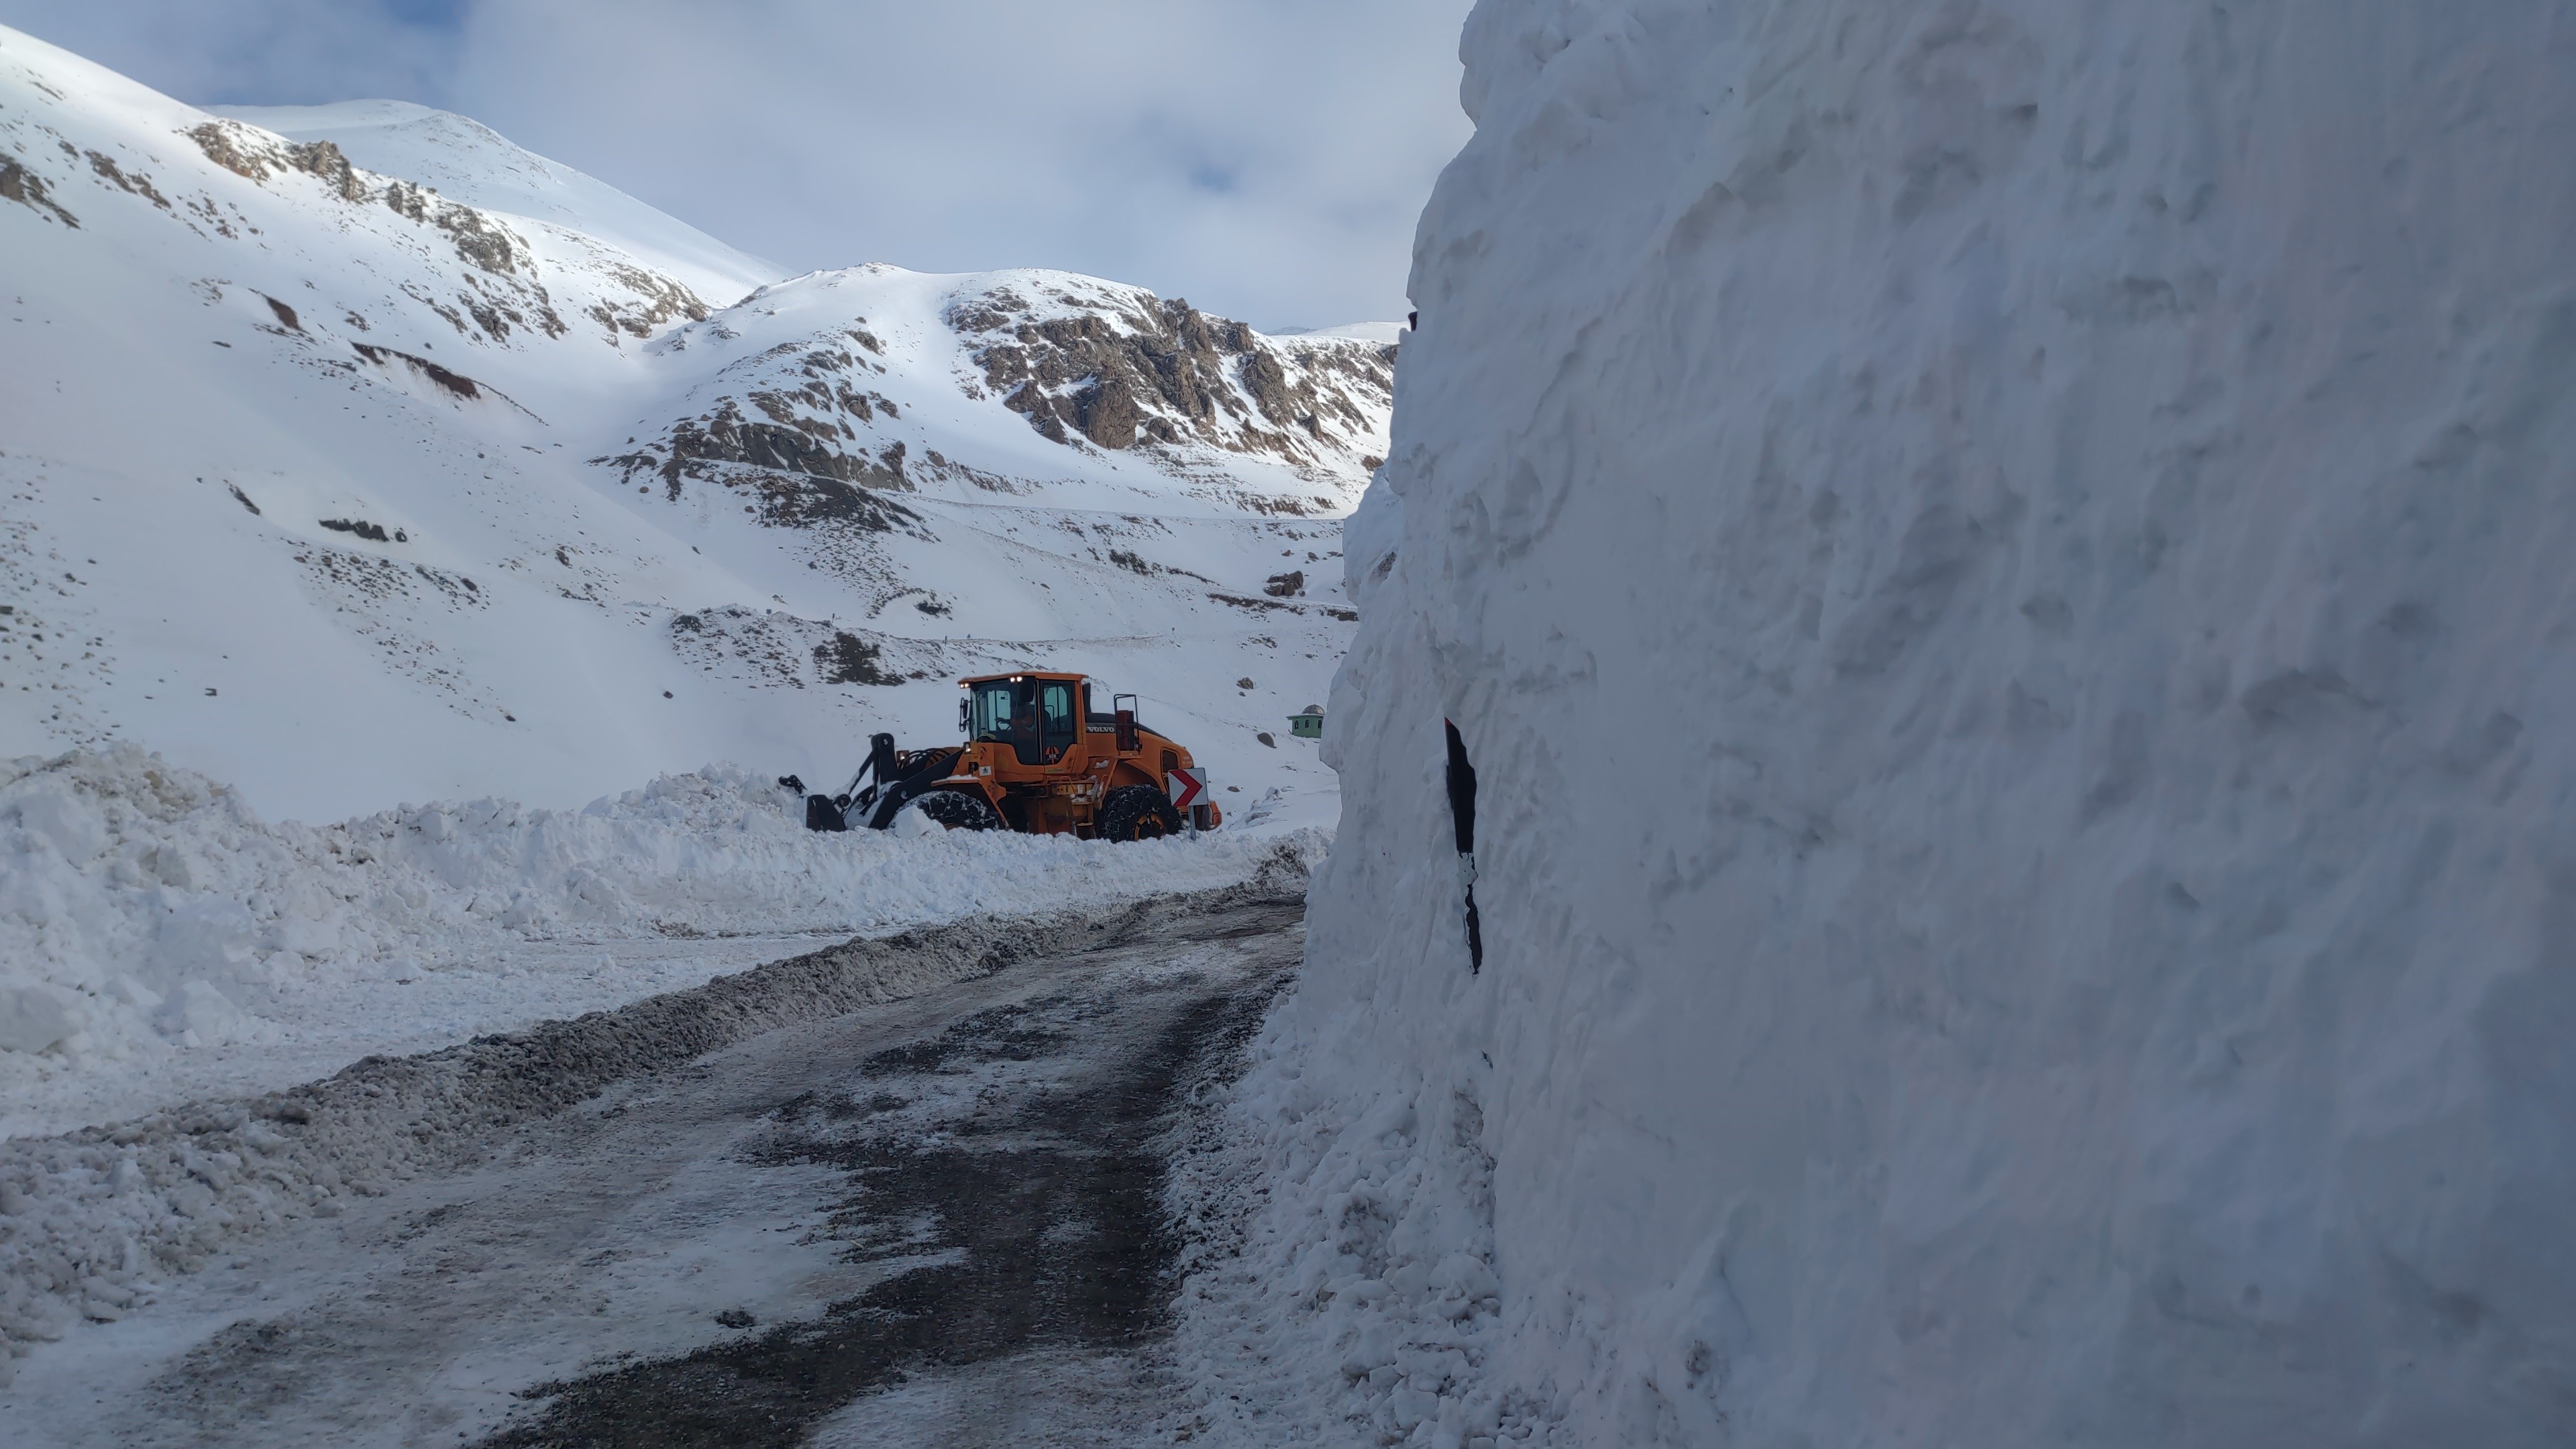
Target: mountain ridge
(470,162)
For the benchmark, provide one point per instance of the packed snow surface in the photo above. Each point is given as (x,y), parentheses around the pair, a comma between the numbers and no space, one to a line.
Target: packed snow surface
(2002,568)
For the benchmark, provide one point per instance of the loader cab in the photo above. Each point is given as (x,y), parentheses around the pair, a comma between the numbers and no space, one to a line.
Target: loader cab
(1038,717)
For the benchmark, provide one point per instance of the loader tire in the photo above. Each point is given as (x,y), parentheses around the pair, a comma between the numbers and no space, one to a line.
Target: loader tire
(959,811)
(1138,812)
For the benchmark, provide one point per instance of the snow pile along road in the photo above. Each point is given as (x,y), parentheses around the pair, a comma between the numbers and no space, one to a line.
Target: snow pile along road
(2002,571)
(147,914)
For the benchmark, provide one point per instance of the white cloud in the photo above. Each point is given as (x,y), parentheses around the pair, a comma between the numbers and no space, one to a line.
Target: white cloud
(1265,158)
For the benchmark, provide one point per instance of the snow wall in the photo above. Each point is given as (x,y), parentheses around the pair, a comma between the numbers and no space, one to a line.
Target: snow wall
(2005,571)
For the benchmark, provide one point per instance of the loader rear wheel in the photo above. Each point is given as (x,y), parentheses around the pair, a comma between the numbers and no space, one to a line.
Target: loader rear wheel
(1138,812)
(959,811)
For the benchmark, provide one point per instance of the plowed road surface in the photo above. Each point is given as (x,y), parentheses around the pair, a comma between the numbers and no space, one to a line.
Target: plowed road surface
(934,1222)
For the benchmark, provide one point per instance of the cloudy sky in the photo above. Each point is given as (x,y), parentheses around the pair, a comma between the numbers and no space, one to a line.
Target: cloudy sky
(1264,158)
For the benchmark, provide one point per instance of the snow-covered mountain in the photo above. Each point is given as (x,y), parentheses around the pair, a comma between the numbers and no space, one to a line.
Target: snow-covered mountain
(353,454)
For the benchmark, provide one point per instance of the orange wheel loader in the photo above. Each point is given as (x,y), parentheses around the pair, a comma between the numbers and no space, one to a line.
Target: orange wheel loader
(1038,758)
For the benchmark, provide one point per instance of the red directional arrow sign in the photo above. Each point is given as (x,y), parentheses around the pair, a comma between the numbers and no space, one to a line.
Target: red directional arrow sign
(1185,785)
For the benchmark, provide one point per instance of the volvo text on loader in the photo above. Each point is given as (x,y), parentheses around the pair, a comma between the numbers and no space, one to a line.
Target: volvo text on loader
(1040,757)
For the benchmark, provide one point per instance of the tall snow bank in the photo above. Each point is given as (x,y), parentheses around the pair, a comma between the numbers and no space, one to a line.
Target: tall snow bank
(145,911)
(2003,570)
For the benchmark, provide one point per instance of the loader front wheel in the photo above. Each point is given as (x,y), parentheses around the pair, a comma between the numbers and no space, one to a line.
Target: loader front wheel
(1138,812)
(959,811)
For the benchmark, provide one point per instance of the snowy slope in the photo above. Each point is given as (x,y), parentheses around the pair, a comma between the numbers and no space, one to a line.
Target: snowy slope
(465,160)
(2002,569)
(325,484)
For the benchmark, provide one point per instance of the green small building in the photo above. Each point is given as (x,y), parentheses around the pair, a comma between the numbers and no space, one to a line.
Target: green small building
(1308,726)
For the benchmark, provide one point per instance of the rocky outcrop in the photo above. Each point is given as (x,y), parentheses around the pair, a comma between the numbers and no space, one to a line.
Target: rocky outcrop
(1126,369)
(254,154)
(783,440)
(28,189)
(133,184)
(809,417)
(454,383)
(657,299)
(803,434)
(846,658)
(787,476)
(794,448)
(773,649)
(797,441)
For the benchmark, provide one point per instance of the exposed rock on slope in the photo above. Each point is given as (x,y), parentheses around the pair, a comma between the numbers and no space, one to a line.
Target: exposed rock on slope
(29,190)
(807,418)
(1123,367)
(1114,366)
(858,400)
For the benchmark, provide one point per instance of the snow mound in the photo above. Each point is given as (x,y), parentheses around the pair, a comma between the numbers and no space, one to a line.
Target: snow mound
(145,910)
(2002,569)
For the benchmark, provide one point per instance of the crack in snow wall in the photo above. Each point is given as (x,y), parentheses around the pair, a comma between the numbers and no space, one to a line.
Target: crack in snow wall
(2003,570)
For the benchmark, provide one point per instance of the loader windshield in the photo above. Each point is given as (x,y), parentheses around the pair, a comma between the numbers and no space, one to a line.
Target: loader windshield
(1001,707)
